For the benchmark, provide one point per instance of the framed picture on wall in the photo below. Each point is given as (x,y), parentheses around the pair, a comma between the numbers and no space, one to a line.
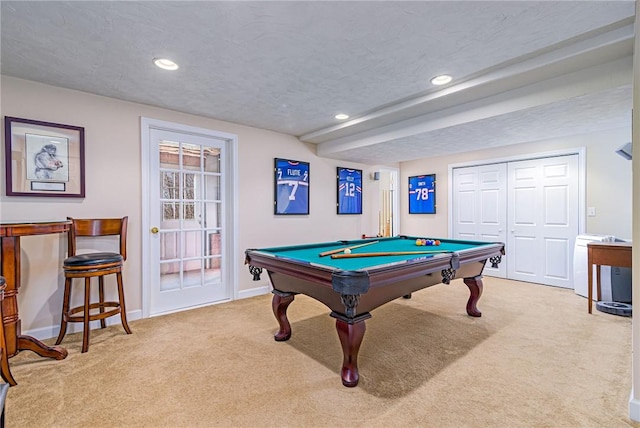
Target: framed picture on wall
(43,158)
(291,187)
(422,194)
(349,183)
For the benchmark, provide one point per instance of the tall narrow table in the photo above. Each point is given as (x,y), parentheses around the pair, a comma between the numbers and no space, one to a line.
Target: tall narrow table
(10,234)
(607,254)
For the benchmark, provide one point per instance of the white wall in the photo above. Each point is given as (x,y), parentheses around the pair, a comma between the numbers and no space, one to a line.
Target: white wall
(608,185)
(113,188)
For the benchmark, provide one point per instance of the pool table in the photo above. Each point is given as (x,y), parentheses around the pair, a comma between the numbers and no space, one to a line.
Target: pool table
(375,272)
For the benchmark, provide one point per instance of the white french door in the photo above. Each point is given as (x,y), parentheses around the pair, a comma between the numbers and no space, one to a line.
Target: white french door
(187,220)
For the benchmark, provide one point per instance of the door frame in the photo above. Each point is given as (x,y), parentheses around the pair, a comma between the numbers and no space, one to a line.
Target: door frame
(394,181)
(231,244)
(582,178)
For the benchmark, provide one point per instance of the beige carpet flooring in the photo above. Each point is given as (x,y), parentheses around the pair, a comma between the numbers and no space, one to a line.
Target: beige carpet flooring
(534,359)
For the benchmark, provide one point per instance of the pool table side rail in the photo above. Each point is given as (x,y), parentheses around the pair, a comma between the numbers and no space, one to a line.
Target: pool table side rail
(480,253)
(384,274)
(288,266)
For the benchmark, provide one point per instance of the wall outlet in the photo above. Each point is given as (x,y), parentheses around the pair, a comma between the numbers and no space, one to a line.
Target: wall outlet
(591,211)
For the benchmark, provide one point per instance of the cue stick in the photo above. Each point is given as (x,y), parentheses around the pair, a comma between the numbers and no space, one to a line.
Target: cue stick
(339,250)
(387,253)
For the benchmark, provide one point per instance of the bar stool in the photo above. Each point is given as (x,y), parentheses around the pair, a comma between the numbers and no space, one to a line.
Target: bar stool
(89,265)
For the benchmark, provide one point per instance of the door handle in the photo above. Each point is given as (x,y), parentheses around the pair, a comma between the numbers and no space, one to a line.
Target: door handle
(154,230)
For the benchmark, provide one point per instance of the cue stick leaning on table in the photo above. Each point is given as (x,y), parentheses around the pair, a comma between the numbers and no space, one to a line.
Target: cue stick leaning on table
(387,253)
(339,250)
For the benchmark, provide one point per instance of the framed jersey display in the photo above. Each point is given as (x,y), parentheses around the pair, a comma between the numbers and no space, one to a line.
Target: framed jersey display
(291,186)
(349,191)
(422,194)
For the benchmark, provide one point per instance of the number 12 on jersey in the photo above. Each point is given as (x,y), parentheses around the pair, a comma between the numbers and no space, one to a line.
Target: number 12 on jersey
(349,190)
(422,194)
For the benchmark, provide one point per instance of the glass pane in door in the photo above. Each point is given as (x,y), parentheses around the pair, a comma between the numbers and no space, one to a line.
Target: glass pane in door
(190,228)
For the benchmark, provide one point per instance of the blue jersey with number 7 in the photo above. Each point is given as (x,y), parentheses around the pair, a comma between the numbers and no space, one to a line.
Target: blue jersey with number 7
(292,188)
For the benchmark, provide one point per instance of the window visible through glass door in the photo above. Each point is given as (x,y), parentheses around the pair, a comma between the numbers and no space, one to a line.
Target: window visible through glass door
(188,221)
(190,237)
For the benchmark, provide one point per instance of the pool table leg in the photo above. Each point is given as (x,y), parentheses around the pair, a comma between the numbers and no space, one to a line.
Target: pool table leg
(279,304)
(475,287)
(350,338)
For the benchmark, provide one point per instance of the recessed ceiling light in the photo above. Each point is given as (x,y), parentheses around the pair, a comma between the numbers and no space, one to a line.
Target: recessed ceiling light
(165,64)
(443,79)
(342,116)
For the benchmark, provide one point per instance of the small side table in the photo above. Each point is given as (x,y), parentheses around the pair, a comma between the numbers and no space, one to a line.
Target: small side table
(607,254)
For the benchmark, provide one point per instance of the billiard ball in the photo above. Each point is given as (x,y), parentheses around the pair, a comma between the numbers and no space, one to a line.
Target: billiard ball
(437,242)
(347,251)
(418,241)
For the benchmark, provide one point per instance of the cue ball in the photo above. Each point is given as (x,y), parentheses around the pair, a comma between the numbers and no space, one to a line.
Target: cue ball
(347,251)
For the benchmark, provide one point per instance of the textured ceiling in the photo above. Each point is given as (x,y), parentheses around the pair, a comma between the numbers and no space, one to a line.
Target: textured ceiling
(291,66)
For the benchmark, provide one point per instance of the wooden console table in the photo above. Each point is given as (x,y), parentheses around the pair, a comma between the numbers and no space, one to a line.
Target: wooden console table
(608,254)
(10,234)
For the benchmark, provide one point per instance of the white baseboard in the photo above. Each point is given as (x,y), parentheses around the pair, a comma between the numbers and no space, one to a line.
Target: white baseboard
(258,291)
(634,408)
(244,294)
(52,331)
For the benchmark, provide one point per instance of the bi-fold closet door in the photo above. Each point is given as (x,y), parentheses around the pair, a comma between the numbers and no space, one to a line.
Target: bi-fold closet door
(480,207)
(531,206)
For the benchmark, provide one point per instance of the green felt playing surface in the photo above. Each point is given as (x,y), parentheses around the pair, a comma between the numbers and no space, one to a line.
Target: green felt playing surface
(310,253)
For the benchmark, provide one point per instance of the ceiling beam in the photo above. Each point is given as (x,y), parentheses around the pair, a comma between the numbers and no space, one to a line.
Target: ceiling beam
(563,60)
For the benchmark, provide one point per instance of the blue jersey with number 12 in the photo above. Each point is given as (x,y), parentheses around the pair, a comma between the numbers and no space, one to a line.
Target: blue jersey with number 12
(350,191)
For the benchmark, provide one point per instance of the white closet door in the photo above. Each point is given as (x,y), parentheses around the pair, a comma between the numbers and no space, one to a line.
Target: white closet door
(543,220)
(480,207)
(466,214)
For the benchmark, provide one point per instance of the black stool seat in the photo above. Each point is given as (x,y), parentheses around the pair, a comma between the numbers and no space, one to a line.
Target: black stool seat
(92,259)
